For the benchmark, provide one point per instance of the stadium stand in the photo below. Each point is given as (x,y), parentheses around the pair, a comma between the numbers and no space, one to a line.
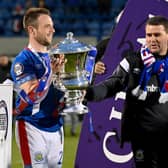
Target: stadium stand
(85,18)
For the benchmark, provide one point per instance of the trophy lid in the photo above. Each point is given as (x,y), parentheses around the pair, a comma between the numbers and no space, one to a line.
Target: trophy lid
(70,45)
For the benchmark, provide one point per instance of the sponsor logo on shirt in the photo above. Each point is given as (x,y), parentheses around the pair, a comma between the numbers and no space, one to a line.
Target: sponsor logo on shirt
(152,88)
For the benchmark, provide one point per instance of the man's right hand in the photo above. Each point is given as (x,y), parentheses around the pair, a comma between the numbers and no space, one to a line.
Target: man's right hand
(99,68)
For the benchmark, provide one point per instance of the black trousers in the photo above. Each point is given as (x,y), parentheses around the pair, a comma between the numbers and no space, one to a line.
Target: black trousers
(150,149)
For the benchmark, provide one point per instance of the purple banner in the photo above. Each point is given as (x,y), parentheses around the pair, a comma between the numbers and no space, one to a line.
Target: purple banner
(102,149)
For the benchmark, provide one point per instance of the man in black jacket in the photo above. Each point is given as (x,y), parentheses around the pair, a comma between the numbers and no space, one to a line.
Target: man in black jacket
(144,77)
(5,65)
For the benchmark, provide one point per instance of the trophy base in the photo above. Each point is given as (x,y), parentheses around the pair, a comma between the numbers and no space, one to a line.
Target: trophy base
(77,108)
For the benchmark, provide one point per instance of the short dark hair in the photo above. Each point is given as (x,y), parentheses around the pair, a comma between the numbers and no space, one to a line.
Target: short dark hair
(158,20)
(31,16)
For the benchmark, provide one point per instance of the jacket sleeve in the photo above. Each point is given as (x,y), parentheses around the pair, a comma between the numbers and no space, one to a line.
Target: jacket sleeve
(110,86)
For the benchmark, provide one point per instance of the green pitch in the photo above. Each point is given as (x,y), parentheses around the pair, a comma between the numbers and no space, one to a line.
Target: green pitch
(70,147)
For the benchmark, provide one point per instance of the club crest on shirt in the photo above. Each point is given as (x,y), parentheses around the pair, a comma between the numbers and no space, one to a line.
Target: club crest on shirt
(38,157)
(18,69)
(139,156)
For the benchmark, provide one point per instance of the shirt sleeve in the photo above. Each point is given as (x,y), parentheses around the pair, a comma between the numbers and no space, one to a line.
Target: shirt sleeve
(22,69)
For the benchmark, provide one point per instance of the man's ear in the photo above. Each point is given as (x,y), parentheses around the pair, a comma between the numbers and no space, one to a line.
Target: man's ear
(31,30)
(167,39)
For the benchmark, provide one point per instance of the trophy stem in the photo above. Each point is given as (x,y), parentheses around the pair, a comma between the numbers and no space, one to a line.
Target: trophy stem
(78,109)
(74,102)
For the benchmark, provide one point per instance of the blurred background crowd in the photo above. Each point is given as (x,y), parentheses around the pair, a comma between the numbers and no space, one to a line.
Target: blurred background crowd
(84,17)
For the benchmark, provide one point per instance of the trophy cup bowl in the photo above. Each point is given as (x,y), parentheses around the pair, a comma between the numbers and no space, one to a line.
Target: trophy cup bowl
(72,78)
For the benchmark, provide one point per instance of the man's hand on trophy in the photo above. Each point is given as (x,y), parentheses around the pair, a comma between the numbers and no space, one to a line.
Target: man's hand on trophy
(57,62)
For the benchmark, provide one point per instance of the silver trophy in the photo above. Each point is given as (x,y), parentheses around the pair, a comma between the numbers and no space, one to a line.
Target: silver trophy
(73,77)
